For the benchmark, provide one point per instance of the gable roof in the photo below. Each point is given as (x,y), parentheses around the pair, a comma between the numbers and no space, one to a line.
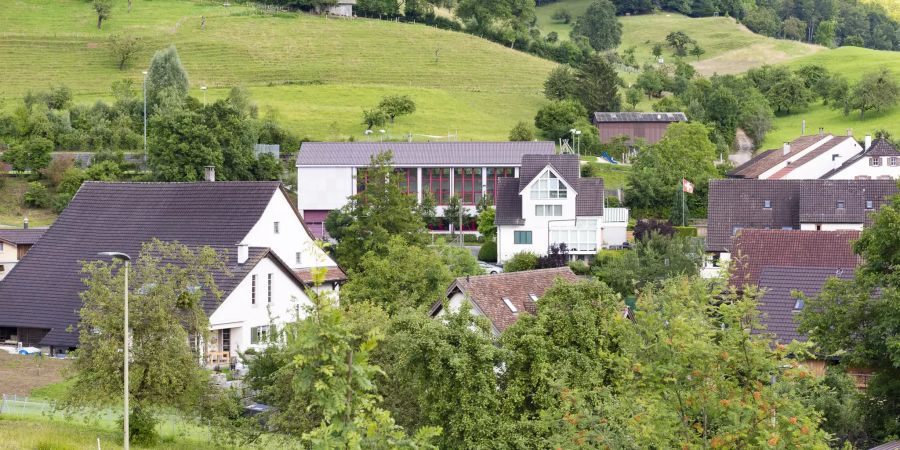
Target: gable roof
(778,314)
(739,204)
(771,158)
(120,217)
(613,117)
(567,166)
(755,250)
(488,292)
(819,200)
(359,154)
(21,236)
(818,151)
(881,147)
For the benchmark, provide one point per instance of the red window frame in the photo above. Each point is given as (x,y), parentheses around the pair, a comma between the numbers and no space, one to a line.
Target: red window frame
(467,184)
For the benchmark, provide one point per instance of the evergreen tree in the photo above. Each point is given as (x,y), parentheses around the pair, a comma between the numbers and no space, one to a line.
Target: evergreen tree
(597,85)
(166,77)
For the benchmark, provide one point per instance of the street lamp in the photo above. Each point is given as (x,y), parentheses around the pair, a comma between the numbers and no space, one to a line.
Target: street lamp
(145,113)
(127,259)
(203,88)
(578,136)
(382,134)
(368,134)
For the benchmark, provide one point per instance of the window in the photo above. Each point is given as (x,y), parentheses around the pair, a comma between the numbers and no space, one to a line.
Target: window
(408,179)
(276,227)
(226,340)
(892,161)
(437,182)
(2,268)
(767,204)
(297,257)
(533,297)
(840,205)
(495,173)
(548,186)
(259,335)
(875,161)
(576,239)
(252,289)
(734,231)
(522,237)
(467,185)
(884,177)
(269,288)
(870,204)
(1,246)
(548,210)
(863,177)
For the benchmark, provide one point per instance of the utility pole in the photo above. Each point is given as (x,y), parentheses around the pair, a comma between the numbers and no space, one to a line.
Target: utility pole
(145,114)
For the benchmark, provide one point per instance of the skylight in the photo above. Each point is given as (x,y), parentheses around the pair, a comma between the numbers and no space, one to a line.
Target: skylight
(510,305)
(534,298)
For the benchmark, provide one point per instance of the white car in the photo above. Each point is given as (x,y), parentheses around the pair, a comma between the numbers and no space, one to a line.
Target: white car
(490,269)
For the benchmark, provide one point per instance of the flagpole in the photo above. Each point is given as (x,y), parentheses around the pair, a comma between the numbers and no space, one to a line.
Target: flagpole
(682,201)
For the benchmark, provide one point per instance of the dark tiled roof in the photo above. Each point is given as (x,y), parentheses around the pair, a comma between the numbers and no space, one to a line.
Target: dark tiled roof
(358,154)
(567,166)
(777,305)
(771,158)
(893,445)
(735,204)
(818,151)
(881,147)
(819,200)
(332,274)
(120,217)
(21,236)
(589,201)
(508,202)
(488,291)
(756,249)
(601,117)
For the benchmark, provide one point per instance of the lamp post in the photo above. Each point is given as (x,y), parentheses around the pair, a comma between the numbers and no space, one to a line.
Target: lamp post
(145,113)
(578,136)
(382,134)
(127,348)
(368,134)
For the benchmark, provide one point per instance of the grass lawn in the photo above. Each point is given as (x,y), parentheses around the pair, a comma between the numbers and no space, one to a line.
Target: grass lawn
(615,176)
(44,434)
(13,212)
(316,73)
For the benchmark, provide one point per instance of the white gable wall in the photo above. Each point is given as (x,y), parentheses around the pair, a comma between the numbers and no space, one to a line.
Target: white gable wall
(324,188)
(291,237)
(826,162)
(861,167)
(238,313)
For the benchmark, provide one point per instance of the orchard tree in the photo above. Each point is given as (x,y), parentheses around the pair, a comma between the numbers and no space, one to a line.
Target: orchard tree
(124,48)
(374,117)
(790,94)
(679,41)
(633,97)
(34,155)
(876,91)
(600,26)
(167,310)
(522,132)
(397,105)
(103,8)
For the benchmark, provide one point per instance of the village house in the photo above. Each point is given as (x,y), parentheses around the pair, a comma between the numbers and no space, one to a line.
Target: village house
(501,298)
(880,160)
(267,248)
(551,204)
(330,172)
(14,244)
(648,127)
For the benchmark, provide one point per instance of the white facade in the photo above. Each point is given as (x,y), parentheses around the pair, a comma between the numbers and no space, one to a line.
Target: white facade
(819,165)
(324,188)
(870,167)
(550,220)
(9,256)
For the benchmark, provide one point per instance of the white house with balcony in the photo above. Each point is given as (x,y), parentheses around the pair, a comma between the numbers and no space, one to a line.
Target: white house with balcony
(551,204)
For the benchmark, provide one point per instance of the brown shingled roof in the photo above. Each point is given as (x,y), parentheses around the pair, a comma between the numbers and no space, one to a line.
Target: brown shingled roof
(332,274)
(756,249)
(487,292)
(771,158)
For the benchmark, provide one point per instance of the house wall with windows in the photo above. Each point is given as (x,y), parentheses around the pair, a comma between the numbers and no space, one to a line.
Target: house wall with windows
(871,167)
(9,256)
(266,295)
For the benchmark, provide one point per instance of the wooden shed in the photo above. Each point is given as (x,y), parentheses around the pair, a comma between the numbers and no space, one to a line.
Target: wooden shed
(646,126)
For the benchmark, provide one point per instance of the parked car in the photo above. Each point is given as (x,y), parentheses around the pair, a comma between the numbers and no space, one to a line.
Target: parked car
(490,269)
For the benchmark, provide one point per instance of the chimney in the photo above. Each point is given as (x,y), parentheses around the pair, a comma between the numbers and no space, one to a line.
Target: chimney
(25,223)
(787,148)
(243,252)
(849,131)
(868,142)
(821,131)
(209,173)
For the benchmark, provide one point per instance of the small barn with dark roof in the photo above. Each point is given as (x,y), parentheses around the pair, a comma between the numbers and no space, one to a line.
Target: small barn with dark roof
(504,297)
(648,127)
(254,224)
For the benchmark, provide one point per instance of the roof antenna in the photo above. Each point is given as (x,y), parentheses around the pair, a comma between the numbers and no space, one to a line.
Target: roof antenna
(467,278)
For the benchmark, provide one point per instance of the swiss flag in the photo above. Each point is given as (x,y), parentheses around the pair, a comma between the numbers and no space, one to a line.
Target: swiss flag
(687,186)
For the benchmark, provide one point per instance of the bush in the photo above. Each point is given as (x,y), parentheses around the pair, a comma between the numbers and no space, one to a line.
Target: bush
(142,427)
(57,169)
(61,201)
(521,261)
(685,232)
(613,202)
(71,181)
(488,252)
(36,196)
(645,228)
(580,267)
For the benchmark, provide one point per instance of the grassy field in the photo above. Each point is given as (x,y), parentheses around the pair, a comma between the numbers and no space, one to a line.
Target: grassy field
(12,211)
(730,47)
(31,434)
(316,73)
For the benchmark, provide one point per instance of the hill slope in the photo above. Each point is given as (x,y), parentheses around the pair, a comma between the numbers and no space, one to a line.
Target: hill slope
(48,43)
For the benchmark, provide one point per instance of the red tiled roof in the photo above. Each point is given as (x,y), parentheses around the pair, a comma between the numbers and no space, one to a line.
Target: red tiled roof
(754,250)
(488,291)
(331,274)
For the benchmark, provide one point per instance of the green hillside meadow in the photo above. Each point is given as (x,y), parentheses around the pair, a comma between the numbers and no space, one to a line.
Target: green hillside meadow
(316,74)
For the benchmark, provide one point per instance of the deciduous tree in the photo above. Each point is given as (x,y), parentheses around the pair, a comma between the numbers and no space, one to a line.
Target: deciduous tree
(103,8)
(124,48)
(600,26)
(397,105)
(876,91)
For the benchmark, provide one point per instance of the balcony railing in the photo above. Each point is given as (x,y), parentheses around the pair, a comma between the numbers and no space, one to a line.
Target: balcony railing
(615,215)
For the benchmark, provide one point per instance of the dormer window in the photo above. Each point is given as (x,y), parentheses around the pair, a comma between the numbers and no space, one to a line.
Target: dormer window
(875,161)
(870,204)
(840,205)
(548,186)
(767,204)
